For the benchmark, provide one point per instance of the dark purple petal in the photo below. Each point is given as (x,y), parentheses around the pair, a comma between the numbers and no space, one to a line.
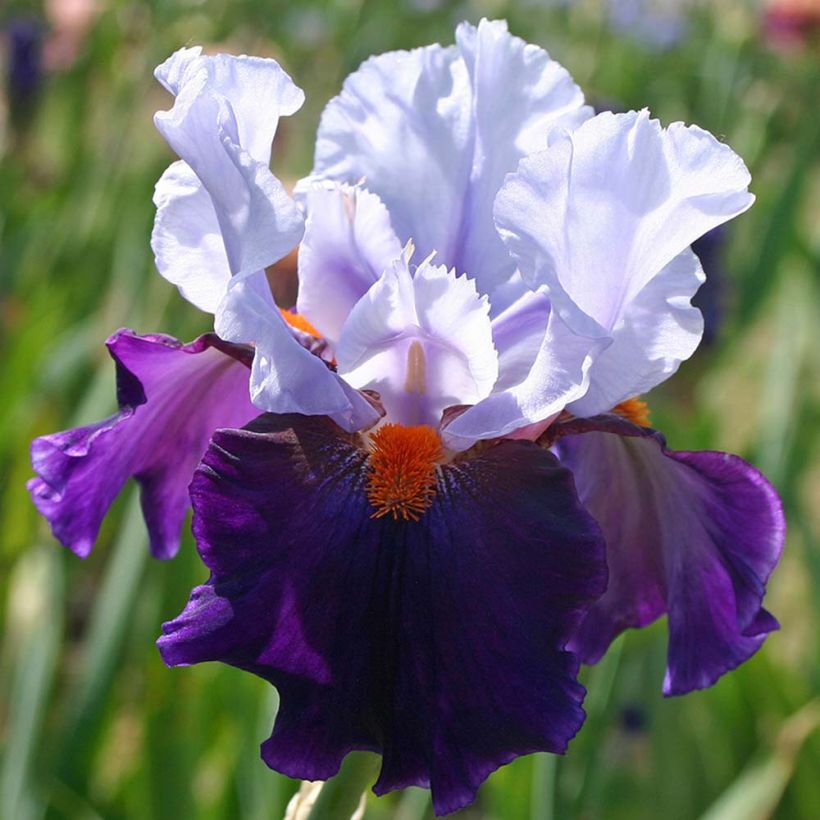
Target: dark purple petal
(172,396)
(438,643)
(693,535)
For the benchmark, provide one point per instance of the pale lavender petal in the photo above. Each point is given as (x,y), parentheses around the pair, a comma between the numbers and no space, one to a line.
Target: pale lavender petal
(518,333)
(423,341)
(257,90)
(558,375)
(603,212)
(519,94)
(172,397)
(187,240)
(433,132)
(659,331)
(223,120)
(286,377)
(694,535)
(349,242)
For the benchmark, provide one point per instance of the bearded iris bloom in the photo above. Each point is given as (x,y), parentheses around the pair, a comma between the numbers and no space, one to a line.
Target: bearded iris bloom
(429,493)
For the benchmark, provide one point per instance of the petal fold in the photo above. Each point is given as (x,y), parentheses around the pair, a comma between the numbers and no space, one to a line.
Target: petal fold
(694,535)
(222,123)
(172,396)
(349,242)
(558,375)
(438,643)
(434,131)
(601,218)
(286,377)
(187,241)
(422,340)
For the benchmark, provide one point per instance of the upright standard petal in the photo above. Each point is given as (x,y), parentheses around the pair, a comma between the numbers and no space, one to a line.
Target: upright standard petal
(187,241)
(222,123)
(423,341)
(349,242)
(286,377)
(433,132)
(257,90)
(172,397)
(438,643)
(691,534)
(603,218)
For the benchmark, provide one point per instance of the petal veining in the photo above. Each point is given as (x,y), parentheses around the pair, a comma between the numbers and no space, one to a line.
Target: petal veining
(433,132)
(439,643)
(694,535)
(187,240)
(348,243)
(223,120)
(558,375)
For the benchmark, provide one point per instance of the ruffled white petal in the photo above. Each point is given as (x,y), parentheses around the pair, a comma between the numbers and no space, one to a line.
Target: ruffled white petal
(348,243)
(660,329)
(518,332)
(519,94)
(222,123)
(433,132)
(423,341)
(187,241)
(257,90)
(601,213)
(559,375)
(285,377)
(171,73)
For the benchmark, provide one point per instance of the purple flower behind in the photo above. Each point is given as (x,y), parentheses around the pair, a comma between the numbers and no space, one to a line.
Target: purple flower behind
(24,65)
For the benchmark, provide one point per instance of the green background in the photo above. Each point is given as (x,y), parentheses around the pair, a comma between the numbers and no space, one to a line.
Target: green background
(92,724)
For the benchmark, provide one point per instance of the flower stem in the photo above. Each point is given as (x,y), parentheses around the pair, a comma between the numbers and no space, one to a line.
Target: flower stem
(340,796)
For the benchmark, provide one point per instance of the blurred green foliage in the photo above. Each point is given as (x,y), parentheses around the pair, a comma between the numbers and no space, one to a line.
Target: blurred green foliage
(92,724)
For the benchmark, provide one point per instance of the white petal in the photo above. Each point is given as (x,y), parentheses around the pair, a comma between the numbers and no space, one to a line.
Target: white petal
(433,132)
(423,341)
(285,377)
(221,125)
(348,243)
(519,94)
(659,330)
(257,90)
(518,333)
(171,73)
(601,214)
(558,375)
(187,241)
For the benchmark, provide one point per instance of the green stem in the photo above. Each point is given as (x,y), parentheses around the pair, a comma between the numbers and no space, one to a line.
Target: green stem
(542,793)
(340,795)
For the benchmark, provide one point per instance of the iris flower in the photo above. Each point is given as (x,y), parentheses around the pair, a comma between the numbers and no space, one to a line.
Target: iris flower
(429,493)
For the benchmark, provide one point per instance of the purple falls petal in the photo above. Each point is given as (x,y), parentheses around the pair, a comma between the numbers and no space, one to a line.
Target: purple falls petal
(438,643)
(172,396)
(691,534)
